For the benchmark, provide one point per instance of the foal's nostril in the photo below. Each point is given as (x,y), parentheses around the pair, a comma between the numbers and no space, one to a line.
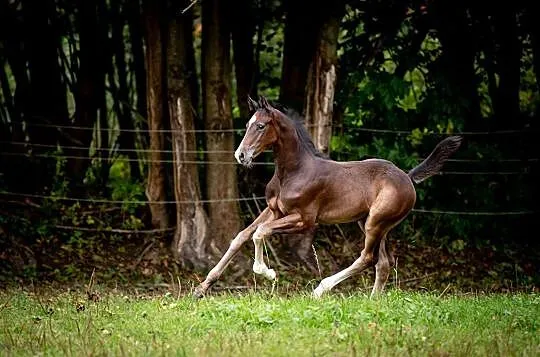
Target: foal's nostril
(241,156)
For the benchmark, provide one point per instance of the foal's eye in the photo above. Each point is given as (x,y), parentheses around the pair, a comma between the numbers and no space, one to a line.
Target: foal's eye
(260,126)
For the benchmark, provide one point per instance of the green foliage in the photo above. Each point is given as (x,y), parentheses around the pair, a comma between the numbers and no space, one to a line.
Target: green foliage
(410,101)
(270,59)
(397,324)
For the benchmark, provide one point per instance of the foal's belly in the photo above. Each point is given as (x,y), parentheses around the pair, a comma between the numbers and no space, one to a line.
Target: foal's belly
(343,213)
(344,202)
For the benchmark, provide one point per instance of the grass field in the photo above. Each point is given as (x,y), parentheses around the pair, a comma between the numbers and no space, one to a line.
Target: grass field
(260,324)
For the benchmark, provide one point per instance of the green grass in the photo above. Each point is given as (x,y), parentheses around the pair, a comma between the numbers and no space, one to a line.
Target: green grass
(398,324)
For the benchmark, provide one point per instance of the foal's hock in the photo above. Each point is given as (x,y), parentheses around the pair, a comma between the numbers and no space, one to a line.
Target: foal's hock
(307,188)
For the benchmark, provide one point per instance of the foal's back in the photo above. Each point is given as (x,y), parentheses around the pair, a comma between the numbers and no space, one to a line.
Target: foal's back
(354,188)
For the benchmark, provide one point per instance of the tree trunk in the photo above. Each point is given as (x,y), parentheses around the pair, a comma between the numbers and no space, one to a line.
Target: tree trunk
(17,177)
(301,33)
(103,135)
(122,103)
(137,50)
(221,180)
(89,85)
(191,65)
(256,79)
(47,94)
(103,144)
(155,191)
(243,30)
(191,234)
(508,66)
(321,82)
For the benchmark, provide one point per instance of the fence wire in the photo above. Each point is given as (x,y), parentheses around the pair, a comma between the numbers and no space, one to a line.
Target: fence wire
(117,150)
(241,199)
(93,200)
(234,130)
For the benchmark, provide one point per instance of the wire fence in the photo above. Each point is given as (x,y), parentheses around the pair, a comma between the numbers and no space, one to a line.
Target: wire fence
(239,130)
(239,199)
(97,200)
(221,162)
(125,151)
(218,162)
(121,151)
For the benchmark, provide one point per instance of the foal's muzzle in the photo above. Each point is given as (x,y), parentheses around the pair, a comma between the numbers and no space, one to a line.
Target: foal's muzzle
(244,157)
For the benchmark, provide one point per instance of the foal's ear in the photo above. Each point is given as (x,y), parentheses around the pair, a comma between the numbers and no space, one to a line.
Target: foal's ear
(263,103)
(252,105)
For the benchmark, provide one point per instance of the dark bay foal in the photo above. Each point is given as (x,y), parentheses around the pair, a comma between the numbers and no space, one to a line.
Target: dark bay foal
(308,189)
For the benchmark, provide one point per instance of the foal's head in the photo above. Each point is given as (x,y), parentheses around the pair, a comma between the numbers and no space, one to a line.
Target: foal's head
(261,131)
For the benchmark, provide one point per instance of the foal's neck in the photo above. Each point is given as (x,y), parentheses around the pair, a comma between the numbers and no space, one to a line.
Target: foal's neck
(290,154)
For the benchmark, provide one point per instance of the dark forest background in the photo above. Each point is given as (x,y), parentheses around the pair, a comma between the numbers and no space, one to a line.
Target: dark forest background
(119,119)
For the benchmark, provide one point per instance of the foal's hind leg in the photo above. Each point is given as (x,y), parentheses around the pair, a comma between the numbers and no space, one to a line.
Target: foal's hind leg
(389,208)
(384,264)
(375,231)
(382,268)
(304,250)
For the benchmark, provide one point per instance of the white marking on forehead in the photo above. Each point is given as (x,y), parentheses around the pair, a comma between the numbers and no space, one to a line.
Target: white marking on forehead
(241,146)
(252,120)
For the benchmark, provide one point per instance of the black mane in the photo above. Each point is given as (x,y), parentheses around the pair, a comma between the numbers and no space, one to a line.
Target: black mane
(298,121)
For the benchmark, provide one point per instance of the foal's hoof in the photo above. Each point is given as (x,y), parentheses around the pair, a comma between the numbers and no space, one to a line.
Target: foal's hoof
(198,293)
(319,291)
(270,274)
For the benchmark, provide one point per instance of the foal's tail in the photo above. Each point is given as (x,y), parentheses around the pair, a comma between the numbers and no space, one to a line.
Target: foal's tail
(436,159)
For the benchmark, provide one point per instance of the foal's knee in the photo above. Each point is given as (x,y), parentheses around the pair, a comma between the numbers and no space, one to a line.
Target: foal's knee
(260,233)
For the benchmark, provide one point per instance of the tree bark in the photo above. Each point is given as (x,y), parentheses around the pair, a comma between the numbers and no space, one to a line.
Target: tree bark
(243,30)
(155,190)
(321,82)
(301,33)
(191,65)
(189,245)
(221,180)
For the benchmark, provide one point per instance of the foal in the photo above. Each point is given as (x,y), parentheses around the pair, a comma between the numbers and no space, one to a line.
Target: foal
(308,189)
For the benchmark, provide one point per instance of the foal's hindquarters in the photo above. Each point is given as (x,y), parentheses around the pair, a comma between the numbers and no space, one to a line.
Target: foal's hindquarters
(392,197)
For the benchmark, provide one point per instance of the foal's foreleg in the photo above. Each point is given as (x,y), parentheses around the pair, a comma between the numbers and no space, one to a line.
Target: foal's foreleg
(234,247)
(289,224)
